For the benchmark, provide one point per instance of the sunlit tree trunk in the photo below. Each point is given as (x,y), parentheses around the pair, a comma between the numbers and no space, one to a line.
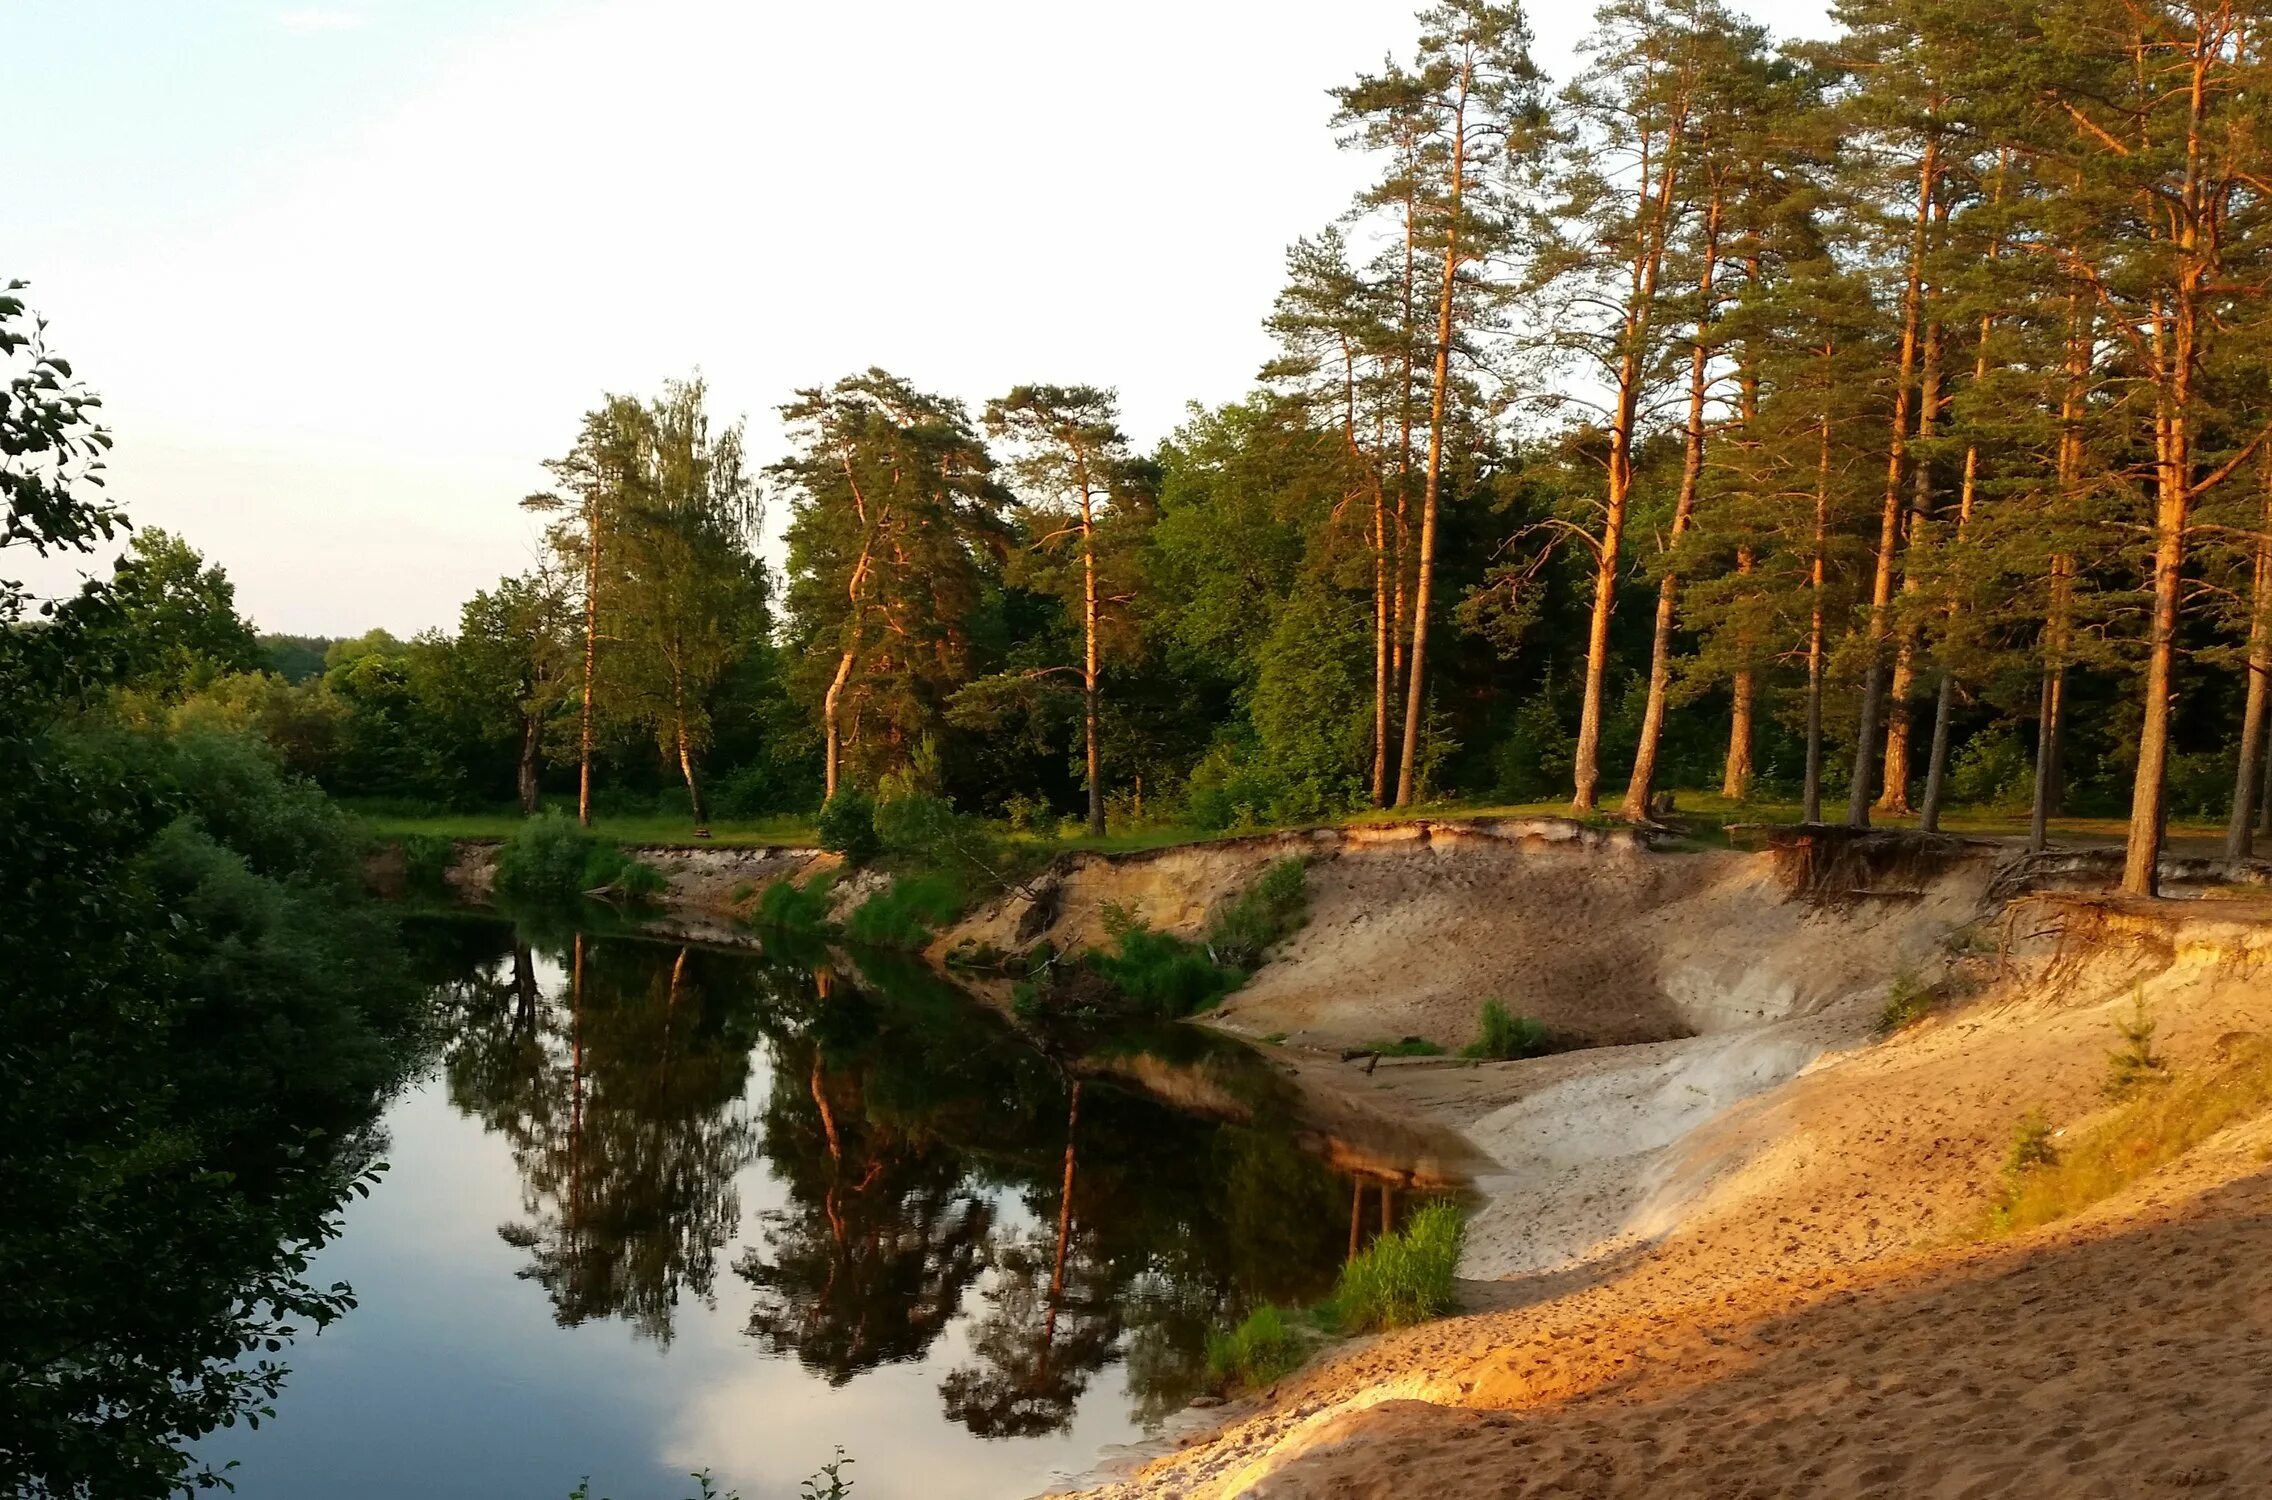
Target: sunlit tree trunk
(1811,809)
(1415,698)
(856,589)
(1889,519)
(1893,788)
(2240,832)
(1650,231)
(591,655)
(1641,784)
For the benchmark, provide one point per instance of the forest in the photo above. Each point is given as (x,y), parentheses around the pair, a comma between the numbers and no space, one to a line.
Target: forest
(1874,425)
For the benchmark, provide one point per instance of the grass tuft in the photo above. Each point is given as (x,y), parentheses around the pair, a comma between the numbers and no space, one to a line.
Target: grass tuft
(1502,1035)
(1404,1277)
(1409,1046)
(1256,1352)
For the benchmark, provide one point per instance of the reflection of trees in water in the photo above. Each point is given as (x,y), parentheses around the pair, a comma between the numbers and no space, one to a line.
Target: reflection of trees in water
(869,1259)
(1052,1320)
(898,1119)
(621,1100)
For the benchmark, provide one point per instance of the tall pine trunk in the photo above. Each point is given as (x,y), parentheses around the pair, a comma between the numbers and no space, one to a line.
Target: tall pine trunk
(2240,833)
(1415,698)
(1089,656)
(591,655)
(1650,230)
(1893,785)
(1811,811)
(1944,697)
(1889,518)
(1641,784)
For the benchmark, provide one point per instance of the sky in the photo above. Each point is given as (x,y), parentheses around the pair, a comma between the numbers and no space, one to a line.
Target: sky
(345,274)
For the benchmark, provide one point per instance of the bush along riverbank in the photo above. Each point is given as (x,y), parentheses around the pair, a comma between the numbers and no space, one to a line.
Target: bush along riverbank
(1404,1277)
(1145,973)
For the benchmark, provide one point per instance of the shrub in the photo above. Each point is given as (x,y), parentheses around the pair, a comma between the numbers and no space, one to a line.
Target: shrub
(907,912)
(1245,929)
(426,860)
(1993,770)
(1256,1352)
(796,908)
(1502,1035)
(848,826)
(1029,815)
(1163,974)
(2135,1061)
(552,858)
(1404,1277)
(1906,1003)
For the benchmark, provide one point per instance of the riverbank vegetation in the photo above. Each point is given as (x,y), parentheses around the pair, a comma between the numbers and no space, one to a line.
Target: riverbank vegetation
(202,1012)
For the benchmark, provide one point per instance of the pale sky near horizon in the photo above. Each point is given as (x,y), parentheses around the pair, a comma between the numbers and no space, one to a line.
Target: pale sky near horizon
(346,273)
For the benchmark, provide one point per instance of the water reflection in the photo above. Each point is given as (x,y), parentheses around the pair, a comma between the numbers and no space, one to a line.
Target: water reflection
(913,1166)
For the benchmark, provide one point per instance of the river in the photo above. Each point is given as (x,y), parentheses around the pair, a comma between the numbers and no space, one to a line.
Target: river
(656,1207)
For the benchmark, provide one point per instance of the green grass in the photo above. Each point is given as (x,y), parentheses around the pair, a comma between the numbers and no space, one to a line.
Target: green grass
(1258,1351)
(1705,814)
(1501,1035)
(642,829)
(791,907)
(908,912)
(1410,1046)
(1404,1277)
(2043,1183)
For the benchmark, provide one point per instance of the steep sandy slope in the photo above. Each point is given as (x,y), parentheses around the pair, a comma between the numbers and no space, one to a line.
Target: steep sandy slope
(1799,1309)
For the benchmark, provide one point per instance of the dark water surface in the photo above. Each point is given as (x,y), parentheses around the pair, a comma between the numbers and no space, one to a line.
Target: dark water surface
(700,1208)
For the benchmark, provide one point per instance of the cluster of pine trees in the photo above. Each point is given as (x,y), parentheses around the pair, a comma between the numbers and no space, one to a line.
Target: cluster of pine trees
(1919,370)
(1880,419)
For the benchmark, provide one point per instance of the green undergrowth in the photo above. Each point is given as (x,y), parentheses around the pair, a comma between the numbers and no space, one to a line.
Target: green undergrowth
(1501,1035)
(426,860)
(1404,1277)
(551,859)
(2160,1117)
(1163,976)
(908,912)
(1408,1046)
(1267,1345)
(796,906)
(1907,1001)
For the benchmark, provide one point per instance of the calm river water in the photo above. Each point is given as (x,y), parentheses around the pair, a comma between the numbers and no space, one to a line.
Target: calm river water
(657,1208)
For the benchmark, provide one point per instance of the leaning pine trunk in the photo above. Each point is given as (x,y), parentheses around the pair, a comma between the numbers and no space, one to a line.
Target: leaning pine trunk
(1893,786)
